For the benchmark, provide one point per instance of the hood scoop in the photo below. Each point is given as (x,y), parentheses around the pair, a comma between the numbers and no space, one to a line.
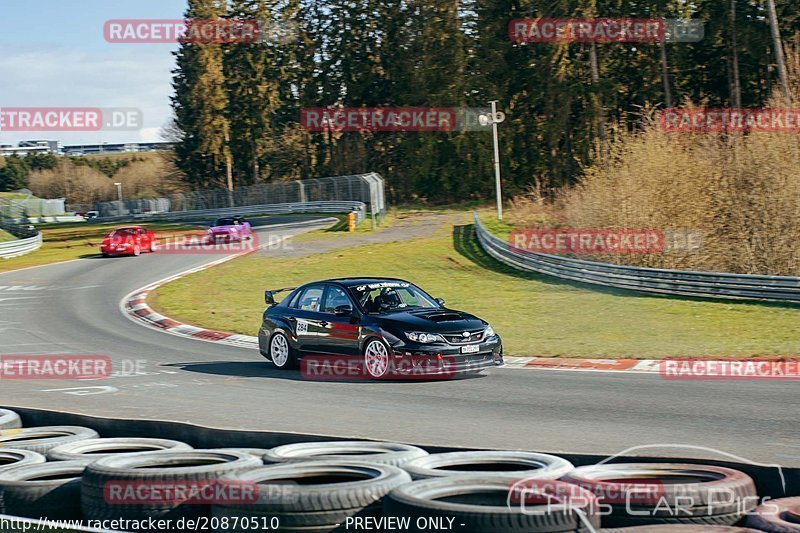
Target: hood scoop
(446,316)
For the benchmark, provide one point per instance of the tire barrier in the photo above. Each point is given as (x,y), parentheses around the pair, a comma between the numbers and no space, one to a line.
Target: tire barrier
(43,439)
(681,529)
(521,464)
(315,494)
(480,504)
(657,490)
(9,419)
(10,458)
(324,486)
(255,452)
(51,490)
(388,453)
(777,516)
(90,450)
(142,472)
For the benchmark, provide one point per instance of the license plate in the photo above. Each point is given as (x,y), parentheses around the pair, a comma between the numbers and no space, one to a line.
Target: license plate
(470,349)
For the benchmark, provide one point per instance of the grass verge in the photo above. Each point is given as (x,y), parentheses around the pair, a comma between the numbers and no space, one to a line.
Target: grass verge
(536,315)
(6,236)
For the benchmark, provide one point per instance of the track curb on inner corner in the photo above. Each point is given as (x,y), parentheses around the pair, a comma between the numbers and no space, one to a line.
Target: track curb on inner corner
(134,305)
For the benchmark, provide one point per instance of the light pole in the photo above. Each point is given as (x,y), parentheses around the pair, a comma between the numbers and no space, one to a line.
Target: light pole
(494,119)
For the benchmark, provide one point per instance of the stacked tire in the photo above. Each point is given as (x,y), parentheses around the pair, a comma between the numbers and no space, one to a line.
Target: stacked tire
(51,490)
(9,419)
(314,496)
(527,465)
(43,439)
(483,504)
(777,516)
(168,484)
(639,494)
(388,453)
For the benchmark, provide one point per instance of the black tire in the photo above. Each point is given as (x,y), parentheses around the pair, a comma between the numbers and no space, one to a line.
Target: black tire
(9,419)
(43,439)
(91,450)
(317,493)
(192,467)
(620,521)
(324,520)
(10,458)
(388,453)
(291,361)
(704,491)
(680,529)
(521,464)
(48,490)
(436,498)
(258,453)
(777,516)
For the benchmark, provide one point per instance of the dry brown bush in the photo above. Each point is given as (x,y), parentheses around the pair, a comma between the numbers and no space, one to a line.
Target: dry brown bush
(741,192)
(146,176)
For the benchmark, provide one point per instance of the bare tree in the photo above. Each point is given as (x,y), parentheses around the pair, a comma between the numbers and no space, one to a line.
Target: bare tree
(779,57)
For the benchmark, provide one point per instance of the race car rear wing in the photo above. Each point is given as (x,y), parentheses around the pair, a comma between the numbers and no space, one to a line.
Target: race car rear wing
(269,296)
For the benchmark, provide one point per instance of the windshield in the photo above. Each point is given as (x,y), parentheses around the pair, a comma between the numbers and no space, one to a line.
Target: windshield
(227,222)
(117,233)
(391,296)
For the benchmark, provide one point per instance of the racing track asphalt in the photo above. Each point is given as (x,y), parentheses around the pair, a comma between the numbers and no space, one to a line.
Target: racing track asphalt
(73,308)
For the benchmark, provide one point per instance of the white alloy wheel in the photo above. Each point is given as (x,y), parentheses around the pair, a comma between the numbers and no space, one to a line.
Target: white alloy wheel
(376,359)
(279,350)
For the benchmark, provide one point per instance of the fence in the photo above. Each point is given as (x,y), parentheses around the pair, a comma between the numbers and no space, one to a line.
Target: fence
(23,205)
(677,282)
(365,188)
(359,208)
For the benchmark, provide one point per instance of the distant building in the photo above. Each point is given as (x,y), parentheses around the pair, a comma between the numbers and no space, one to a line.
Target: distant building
(121,148)
(54,147)
(30,147)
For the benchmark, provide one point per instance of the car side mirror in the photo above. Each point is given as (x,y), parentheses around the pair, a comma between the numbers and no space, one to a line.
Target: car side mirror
(343,310)
(269,298)
(440,301)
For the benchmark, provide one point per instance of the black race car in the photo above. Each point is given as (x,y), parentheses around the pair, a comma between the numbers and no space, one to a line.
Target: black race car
(379,327)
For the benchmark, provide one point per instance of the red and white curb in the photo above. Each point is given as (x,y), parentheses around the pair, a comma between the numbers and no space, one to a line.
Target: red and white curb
(135,307)
(587,365)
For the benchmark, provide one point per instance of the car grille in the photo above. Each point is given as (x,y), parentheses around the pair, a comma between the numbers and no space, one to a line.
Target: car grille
(459,338)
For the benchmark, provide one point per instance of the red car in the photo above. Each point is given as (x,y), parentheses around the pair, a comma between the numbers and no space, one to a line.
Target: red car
(131,240)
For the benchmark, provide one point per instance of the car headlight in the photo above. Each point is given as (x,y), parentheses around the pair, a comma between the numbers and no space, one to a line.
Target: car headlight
(488,332)
(420,337)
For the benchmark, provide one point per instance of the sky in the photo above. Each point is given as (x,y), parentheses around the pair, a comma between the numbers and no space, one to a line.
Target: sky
(53,54)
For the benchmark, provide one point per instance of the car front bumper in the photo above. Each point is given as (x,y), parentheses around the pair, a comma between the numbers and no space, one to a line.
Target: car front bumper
(442,359)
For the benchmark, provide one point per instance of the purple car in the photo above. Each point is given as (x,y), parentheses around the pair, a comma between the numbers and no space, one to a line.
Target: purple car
(230,229)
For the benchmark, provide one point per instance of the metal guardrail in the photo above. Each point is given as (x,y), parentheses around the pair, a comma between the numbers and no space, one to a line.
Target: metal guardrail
(20,246)
(268,209)
(677,282)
